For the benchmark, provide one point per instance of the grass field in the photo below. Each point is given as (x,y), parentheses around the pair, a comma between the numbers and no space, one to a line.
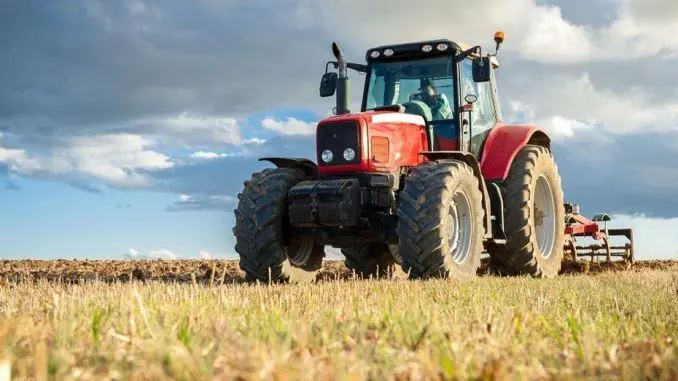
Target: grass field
(87,320)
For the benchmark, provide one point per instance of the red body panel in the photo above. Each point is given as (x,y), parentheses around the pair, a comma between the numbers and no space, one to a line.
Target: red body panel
(446,144)
(582,229)
(406,139)
(502,145)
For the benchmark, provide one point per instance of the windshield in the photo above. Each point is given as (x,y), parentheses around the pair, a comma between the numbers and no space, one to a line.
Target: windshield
(427,84)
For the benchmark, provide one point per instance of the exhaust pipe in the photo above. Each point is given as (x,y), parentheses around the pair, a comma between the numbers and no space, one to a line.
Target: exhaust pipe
(342,81)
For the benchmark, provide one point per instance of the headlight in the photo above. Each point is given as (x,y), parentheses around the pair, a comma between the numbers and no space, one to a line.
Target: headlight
(349,154)
(426,48)
(441,47)
(388,52)
(374,54)
(327,156)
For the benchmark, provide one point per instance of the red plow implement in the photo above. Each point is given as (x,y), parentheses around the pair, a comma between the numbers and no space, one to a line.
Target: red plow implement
(578,227)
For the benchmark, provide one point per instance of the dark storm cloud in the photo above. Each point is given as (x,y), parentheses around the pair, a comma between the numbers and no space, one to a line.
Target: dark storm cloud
(629,174)
(92,66)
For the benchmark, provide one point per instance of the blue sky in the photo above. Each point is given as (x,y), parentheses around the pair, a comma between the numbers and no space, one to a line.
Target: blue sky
(128,127)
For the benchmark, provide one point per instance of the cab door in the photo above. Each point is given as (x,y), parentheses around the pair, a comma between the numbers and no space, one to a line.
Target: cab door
(484,116)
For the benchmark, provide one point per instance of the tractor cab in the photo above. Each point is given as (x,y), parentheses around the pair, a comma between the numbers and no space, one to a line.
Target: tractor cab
(449,84)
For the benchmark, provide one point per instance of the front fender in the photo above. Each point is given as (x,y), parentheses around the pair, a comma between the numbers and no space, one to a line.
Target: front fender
(503,144)
(309,167)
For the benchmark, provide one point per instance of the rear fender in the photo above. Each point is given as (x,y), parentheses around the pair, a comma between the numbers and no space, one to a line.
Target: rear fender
(503,144)
(309,167)
(469,159)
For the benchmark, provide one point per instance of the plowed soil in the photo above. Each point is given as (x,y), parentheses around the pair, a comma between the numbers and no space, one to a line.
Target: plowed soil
(224,271)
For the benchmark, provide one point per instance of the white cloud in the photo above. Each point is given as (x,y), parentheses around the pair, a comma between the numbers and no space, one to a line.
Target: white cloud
(254,141)
(18,161)
(132,254)
(206,155)
(201,202)
(551,39)
(642,29)
(577,99)
(153,254)
(537,32)
(196,129)
(211,155)
(291,126)
(512,16)
(113,158)
(162,254)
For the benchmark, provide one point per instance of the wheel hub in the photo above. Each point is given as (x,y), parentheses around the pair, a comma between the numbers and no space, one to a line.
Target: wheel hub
(460,228)
(544,216)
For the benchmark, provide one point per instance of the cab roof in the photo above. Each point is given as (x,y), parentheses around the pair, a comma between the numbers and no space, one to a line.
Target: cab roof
(414,50)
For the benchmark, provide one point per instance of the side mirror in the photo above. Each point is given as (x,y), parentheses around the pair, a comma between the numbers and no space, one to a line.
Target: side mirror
(328,84)
(481,69)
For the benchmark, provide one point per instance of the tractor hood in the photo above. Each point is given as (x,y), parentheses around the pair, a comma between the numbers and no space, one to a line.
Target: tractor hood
(369,141)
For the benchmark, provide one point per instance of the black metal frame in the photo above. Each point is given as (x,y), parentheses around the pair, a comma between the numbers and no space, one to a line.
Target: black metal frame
(346,209)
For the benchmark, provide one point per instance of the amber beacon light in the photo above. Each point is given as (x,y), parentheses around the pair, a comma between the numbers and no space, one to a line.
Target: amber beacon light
(498,38)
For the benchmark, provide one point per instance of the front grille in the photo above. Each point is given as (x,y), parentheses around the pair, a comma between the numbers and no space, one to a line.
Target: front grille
(336,137)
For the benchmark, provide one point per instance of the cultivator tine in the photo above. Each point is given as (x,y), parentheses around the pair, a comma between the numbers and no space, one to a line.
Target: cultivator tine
(604,247)
(571,247)
(625,251)
(607,250)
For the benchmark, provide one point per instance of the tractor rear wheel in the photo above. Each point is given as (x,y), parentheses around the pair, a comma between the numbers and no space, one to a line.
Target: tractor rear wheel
(440,221)
(375,260)
(535,217)
(262,229)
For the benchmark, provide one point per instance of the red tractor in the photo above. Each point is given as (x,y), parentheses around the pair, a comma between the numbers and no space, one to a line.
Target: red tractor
(427,175)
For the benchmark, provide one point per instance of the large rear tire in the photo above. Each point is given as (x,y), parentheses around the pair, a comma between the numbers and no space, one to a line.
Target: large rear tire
(375,260)
(440,221)
(262,229)
(534,217)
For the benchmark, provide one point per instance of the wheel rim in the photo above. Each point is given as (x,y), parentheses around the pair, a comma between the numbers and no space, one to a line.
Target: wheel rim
(544,216)
(460,228)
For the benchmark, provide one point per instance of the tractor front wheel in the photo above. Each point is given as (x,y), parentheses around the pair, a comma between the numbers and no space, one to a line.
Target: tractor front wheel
(440,221)
(535,217)
(262,229)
